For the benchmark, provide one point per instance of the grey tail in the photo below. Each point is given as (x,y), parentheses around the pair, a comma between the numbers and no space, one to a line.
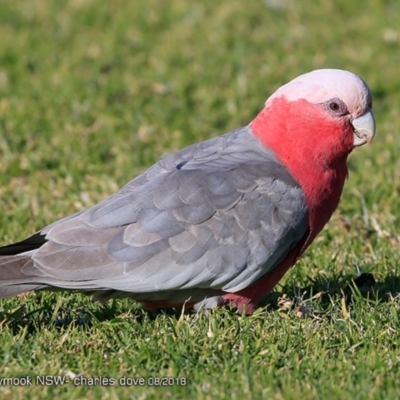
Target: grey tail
(13,258)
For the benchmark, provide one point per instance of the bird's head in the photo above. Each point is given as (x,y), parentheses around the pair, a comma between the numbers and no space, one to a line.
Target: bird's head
(321,115)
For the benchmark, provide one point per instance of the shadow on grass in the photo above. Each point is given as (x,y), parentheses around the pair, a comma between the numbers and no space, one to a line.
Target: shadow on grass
(85,316)
(350,287)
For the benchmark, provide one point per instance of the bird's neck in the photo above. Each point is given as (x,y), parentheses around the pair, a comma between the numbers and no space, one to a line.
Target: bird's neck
(321,176)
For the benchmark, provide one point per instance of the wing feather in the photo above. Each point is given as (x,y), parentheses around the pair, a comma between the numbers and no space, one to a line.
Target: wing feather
(217,215)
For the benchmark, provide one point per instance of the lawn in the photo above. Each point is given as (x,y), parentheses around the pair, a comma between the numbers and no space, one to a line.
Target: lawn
(94,92)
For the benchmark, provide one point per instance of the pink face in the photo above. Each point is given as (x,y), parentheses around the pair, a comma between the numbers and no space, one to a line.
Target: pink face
(344,96)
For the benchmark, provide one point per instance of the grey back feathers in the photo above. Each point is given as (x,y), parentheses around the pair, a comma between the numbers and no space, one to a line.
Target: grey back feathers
(215,216)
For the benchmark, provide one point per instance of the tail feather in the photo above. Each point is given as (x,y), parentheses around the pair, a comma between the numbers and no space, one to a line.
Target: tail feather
(13,290)
(12,280)
(31,243)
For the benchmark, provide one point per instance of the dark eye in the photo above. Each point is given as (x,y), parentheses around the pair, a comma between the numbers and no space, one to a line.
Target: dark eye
(335,107)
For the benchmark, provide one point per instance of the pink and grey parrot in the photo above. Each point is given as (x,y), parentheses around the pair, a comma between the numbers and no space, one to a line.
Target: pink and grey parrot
(219,222)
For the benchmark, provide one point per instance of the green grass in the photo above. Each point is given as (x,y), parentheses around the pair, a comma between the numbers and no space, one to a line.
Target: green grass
(94,92)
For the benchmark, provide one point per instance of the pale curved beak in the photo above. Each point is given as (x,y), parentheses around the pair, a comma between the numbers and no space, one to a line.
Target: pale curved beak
(364,128)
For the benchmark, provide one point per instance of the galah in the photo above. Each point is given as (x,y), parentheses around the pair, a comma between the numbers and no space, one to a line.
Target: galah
(219,222)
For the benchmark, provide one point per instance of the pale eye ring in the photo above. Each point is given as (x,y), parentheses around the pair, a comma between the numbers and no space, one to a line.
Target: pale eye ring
(335,107)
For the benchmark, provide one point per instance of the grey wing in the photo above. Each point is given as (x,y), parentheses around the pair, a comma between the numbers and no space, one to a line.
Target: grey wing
(217,215)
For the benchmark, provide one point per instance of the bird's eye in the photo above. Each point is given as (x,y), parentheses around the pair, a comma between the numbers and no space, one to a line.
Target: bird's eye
(334,106)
